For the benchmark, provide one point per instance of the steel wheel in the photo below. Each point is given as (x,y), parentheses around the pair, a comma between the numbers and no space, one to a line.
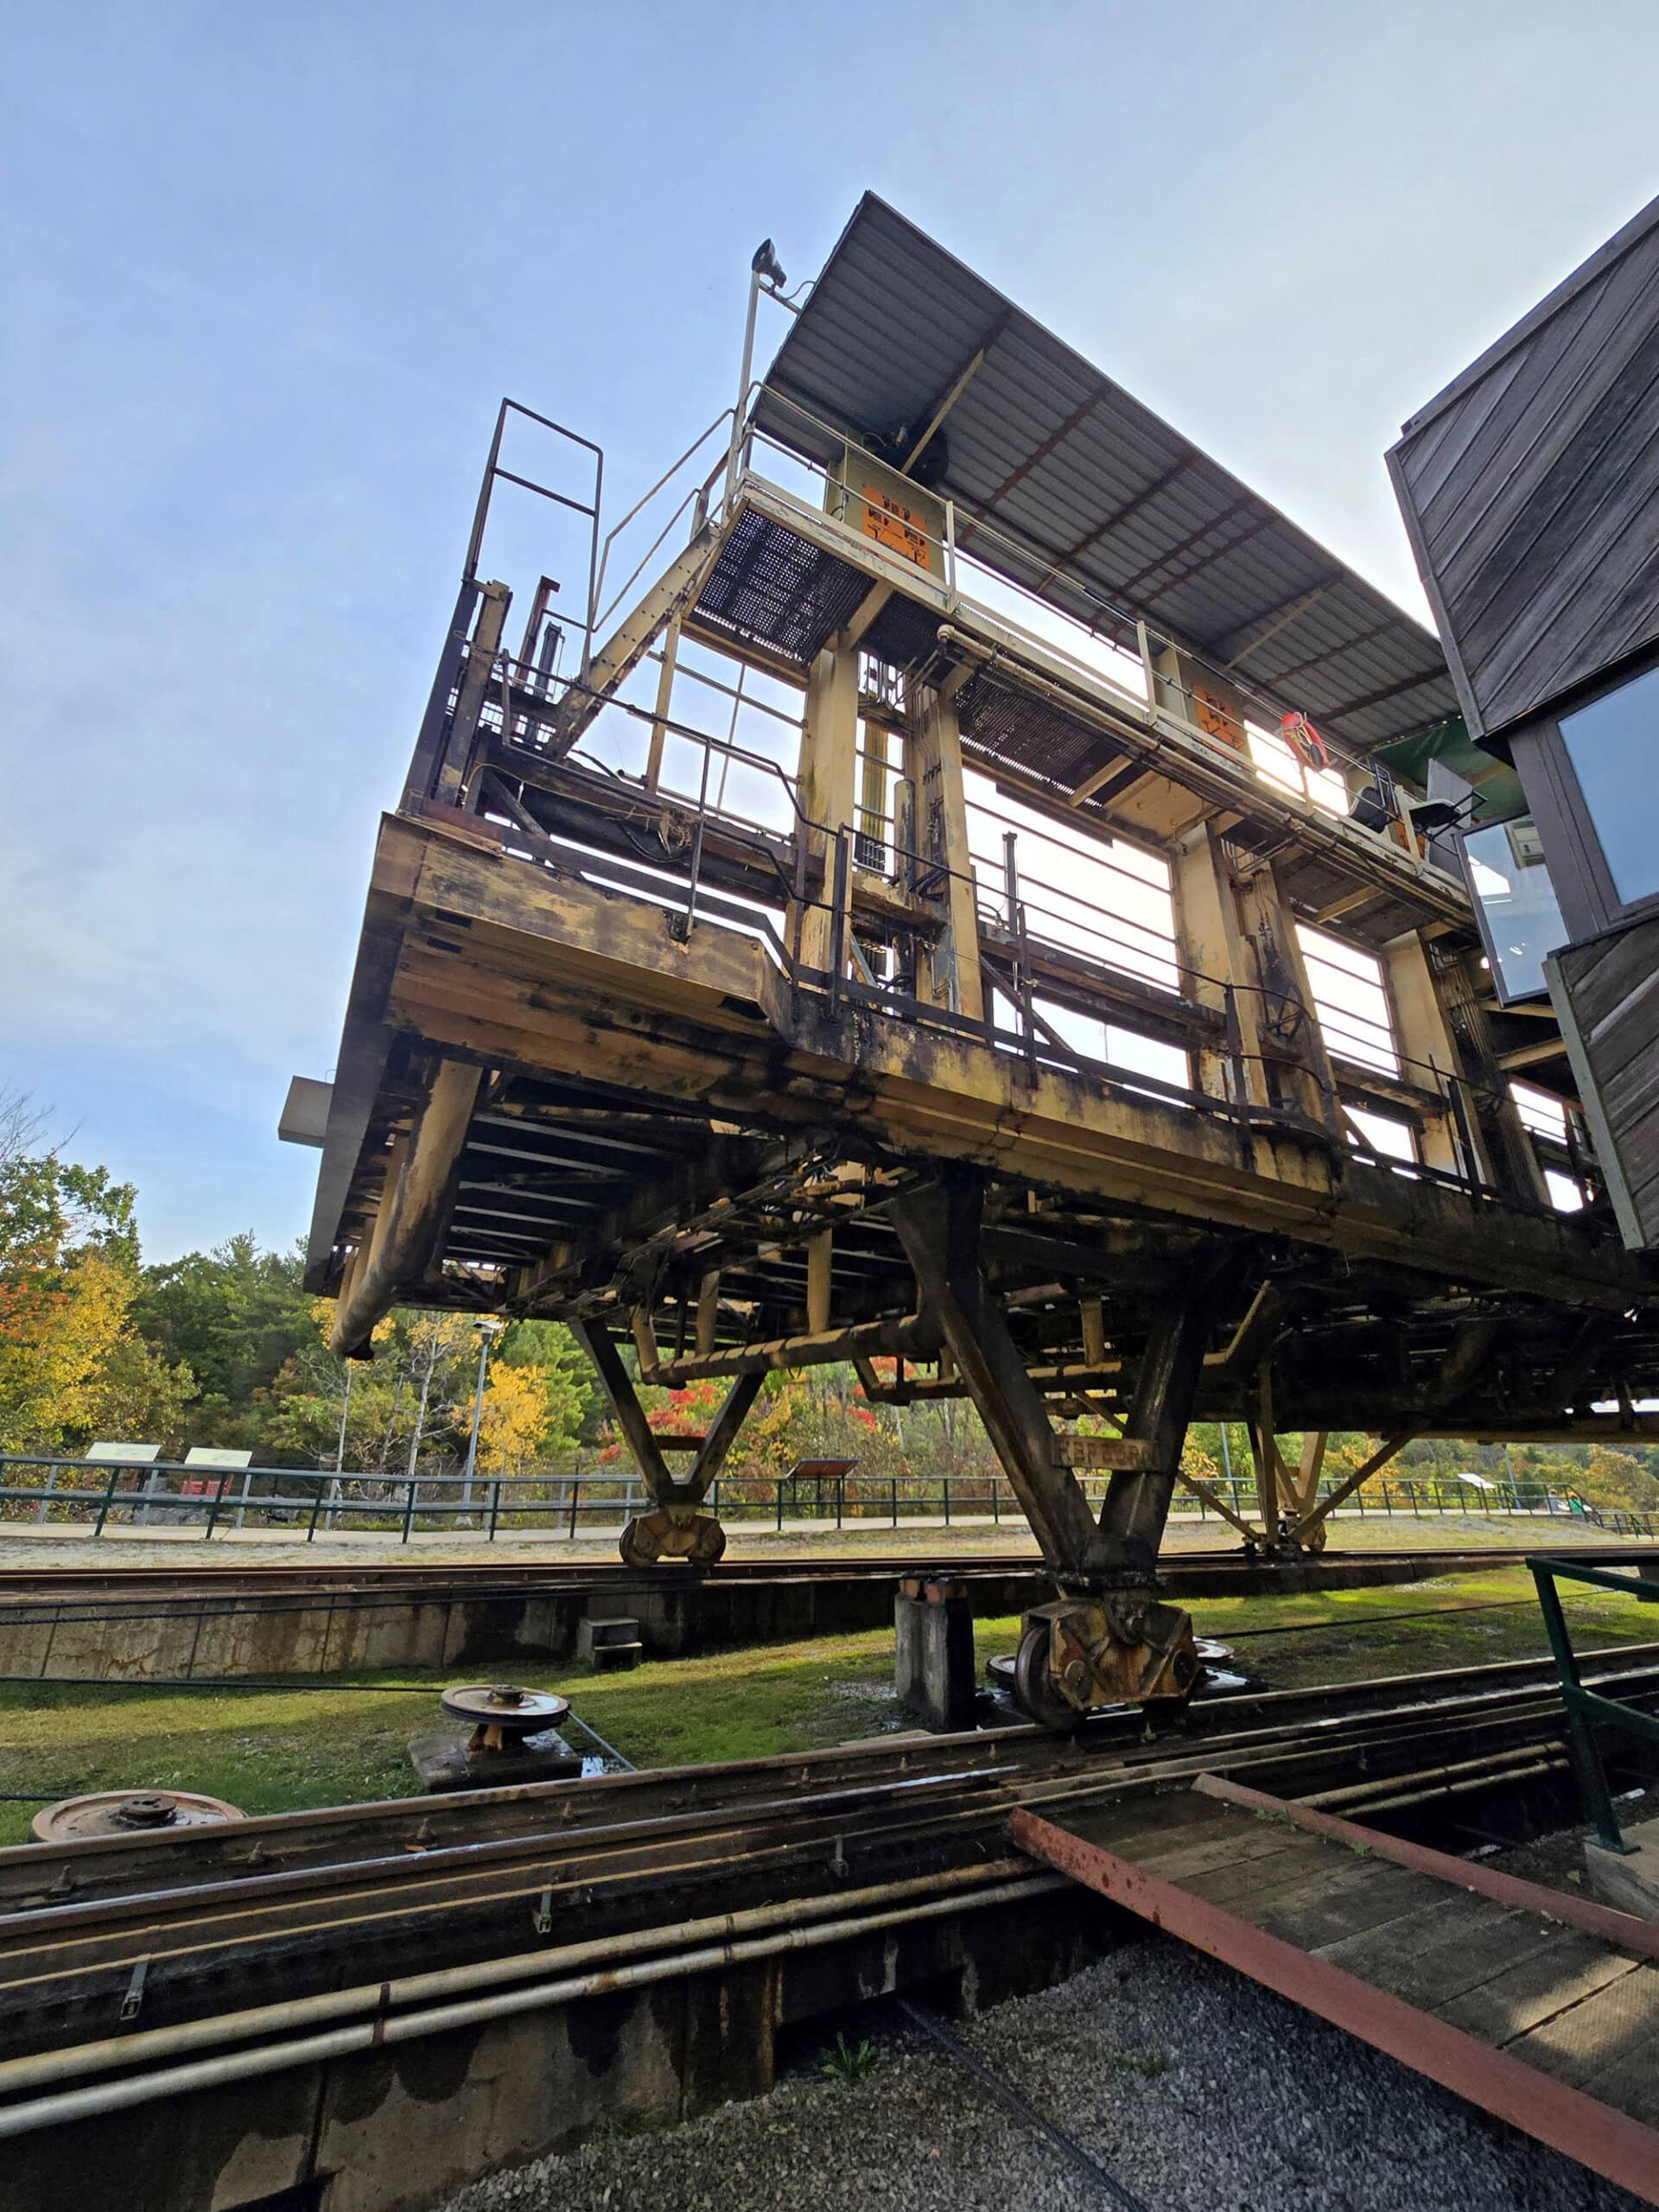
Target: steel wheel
(638,1546)
(1034,1686)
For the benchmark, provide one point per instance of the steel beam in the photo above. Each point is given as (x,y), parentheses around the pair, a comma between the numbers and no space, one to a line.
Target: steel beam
(939,1229)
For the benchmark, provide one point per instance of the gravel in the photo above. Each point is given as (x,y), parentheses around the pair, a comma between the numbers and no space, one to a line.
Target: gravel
(1196,2089)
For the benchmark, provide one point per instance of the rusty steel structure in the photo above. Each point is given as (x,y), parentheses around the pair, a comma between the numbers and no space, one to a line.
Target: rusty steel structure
(1025,985)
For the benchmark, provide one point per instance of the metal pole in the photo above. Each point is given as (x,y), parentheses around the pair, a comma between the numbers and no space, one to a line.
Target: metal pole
(109,1498)
(742,389)
(336,1488)
(486,1334)
(1586,1754)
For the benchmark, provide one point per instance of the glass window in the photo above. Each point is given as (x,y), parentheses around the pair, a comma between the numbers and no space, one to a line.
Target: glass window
(1613,744)
(1520,919)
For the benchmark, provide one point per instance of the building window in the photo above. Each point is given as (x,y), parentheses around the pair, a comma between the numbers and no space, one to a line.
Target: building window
(1350,1002)
(1515,901)
(1612,744)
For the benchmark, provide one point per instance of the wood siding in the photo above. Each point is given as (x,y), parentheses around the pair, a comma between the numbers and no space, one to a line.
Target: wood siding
(1530,489)
(1606,992)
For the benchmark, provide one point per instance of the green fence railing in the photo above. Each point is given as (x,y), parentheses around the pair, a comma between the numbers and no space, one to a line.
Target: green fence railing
(1587,1707)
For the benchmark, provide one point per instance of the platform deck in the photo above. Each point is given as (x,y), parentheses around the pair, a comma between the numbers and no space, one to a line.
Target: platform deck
(1540,2007)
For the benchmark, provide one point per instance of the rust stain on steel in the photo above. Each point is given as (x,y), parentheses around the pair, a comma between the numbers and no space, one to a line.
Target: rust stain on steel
(1610,2143)
(1603,1919)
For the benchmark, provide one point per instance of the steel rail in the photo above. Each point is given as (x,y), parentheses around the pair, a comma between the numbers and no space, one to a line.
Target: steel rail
(784,1829)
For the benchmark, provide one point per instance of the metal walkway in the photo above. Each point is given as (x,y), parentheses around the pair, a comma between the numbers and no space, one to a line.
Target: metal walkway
(1539,2007)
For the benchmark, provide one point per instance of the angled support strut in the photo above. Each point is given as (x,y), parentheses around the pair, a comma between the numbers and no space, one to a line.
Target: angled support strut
(674,1529)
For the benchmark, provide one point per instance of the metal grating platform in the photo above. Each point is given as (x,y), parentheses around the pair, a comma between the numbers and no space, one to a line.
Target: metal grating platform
(1000,724)
(771,588)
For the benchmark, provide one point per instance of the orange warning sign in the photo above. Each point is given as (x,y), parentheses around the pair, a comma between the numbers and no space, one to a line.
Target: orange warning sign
(894,526)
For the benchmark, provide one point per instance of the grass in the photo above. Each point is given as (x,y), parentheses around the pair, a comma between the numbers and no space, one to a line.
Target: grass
(851,2063)
(274,1751)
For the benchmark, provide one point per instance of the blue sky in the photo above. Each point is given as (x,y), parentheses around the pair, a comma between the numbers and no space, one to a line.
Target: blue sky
(267,272)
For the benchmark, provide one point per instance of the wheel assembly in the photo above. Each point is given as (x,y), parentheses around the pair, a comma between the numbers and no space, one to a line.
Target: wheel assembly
(1035,1688)
(128,1813)
(502,1715)
(672,1532)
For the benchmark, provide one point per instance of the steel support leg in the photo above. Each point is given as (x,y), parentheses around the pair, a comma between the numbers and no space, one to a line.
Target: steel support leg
(1136,1506)
(674,1529)
(939,1229)
(1109,1638)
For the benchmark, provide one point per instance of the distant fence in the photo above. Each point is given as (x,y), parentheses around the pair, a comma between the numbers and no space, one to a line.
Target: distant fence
(36,1488)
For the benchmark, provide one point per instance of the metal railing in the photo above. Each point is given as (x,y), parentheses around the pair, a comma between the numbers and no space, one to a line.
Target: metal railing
(36,1488)
(1586,1709)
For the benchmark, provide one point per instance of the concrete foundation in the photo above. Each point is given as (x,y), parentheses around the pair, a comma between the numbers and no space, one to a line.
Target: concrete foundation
(1628,1880)
(443,1762)
(933,1651)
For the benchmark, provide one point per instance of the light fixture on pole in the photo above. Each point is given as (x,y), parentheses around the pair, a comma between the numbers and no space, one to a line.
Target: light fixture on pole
(487,1333)
(764,269)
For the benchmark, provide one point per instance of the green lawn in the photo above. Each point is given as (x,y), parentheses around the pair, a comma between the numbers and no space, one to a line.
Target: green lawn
(271,1750)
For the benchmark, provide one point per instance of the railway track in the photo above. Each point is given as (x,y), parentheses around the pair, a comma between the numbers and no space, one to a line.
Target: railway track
(306,1896)
(297,1979)
(21,1585)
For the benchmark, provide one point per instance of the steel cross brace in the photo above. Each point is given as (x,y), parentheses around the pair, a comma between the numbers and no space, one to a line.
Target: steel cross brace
(675,1528)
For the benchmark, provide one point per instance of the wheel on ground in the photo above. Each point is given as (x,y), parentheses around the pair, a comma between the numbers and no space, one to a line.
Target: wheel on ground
(1034,1686)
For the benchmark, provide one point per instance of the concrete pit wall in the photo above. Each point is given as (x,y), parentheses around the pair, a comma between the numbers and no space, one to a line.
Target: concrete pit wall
(215,1635)
(397,2128)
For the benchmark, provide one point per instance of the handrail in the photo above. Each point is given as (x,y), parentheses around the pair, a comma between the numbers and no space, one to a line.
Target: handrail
(1120,620)
(1443,1088)
(1585,1707)
(492,469)
(643,500)
(596,1500)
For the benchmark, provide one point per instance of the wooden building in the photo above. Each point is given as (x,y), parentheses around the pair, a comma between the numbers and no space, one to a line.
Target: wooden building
(1530,488)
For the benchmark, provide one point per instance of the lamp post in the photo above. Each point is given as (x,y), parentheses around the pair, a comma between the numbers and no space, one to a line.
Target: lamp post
(763,270)
(487,1333)
(336,1486)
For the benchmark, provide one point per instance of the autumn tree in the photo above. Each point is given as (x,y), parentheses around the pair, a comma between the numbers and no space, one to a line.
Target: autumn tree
(71,1362)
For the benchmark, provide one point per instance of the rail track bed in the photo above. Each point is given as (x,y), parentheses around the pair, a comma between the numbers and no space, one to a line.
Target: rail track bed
(211,1977)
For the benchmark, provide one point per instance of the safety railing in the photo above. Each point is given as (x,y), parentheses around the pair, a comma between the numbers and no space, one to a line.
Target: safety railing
(37,1489)
(815,869)
(1128,637)
(1588,1709)
(495,473)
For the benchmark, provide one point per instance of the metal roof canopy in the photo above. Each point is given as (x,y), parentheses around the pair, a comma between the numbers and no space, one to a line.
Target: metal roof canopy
(1097,505)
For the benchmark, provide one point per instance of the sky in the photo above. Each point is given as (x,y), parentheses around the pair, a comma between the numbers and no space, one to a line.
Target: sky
(265,274)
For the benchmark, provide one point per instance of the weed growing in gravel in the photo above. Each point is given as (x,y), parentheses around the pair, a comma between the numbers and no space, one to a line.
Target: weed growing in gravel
(1149,2064)
(851,2063)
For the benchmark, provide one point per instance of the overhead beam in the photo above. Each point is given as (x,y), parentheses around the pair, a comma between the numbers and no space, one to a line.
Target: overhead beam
(413,1208)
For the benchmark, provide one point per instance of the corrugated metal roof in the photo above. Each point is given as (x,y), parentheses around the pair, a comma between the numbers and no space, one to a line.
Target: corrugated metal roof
(1091,500)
